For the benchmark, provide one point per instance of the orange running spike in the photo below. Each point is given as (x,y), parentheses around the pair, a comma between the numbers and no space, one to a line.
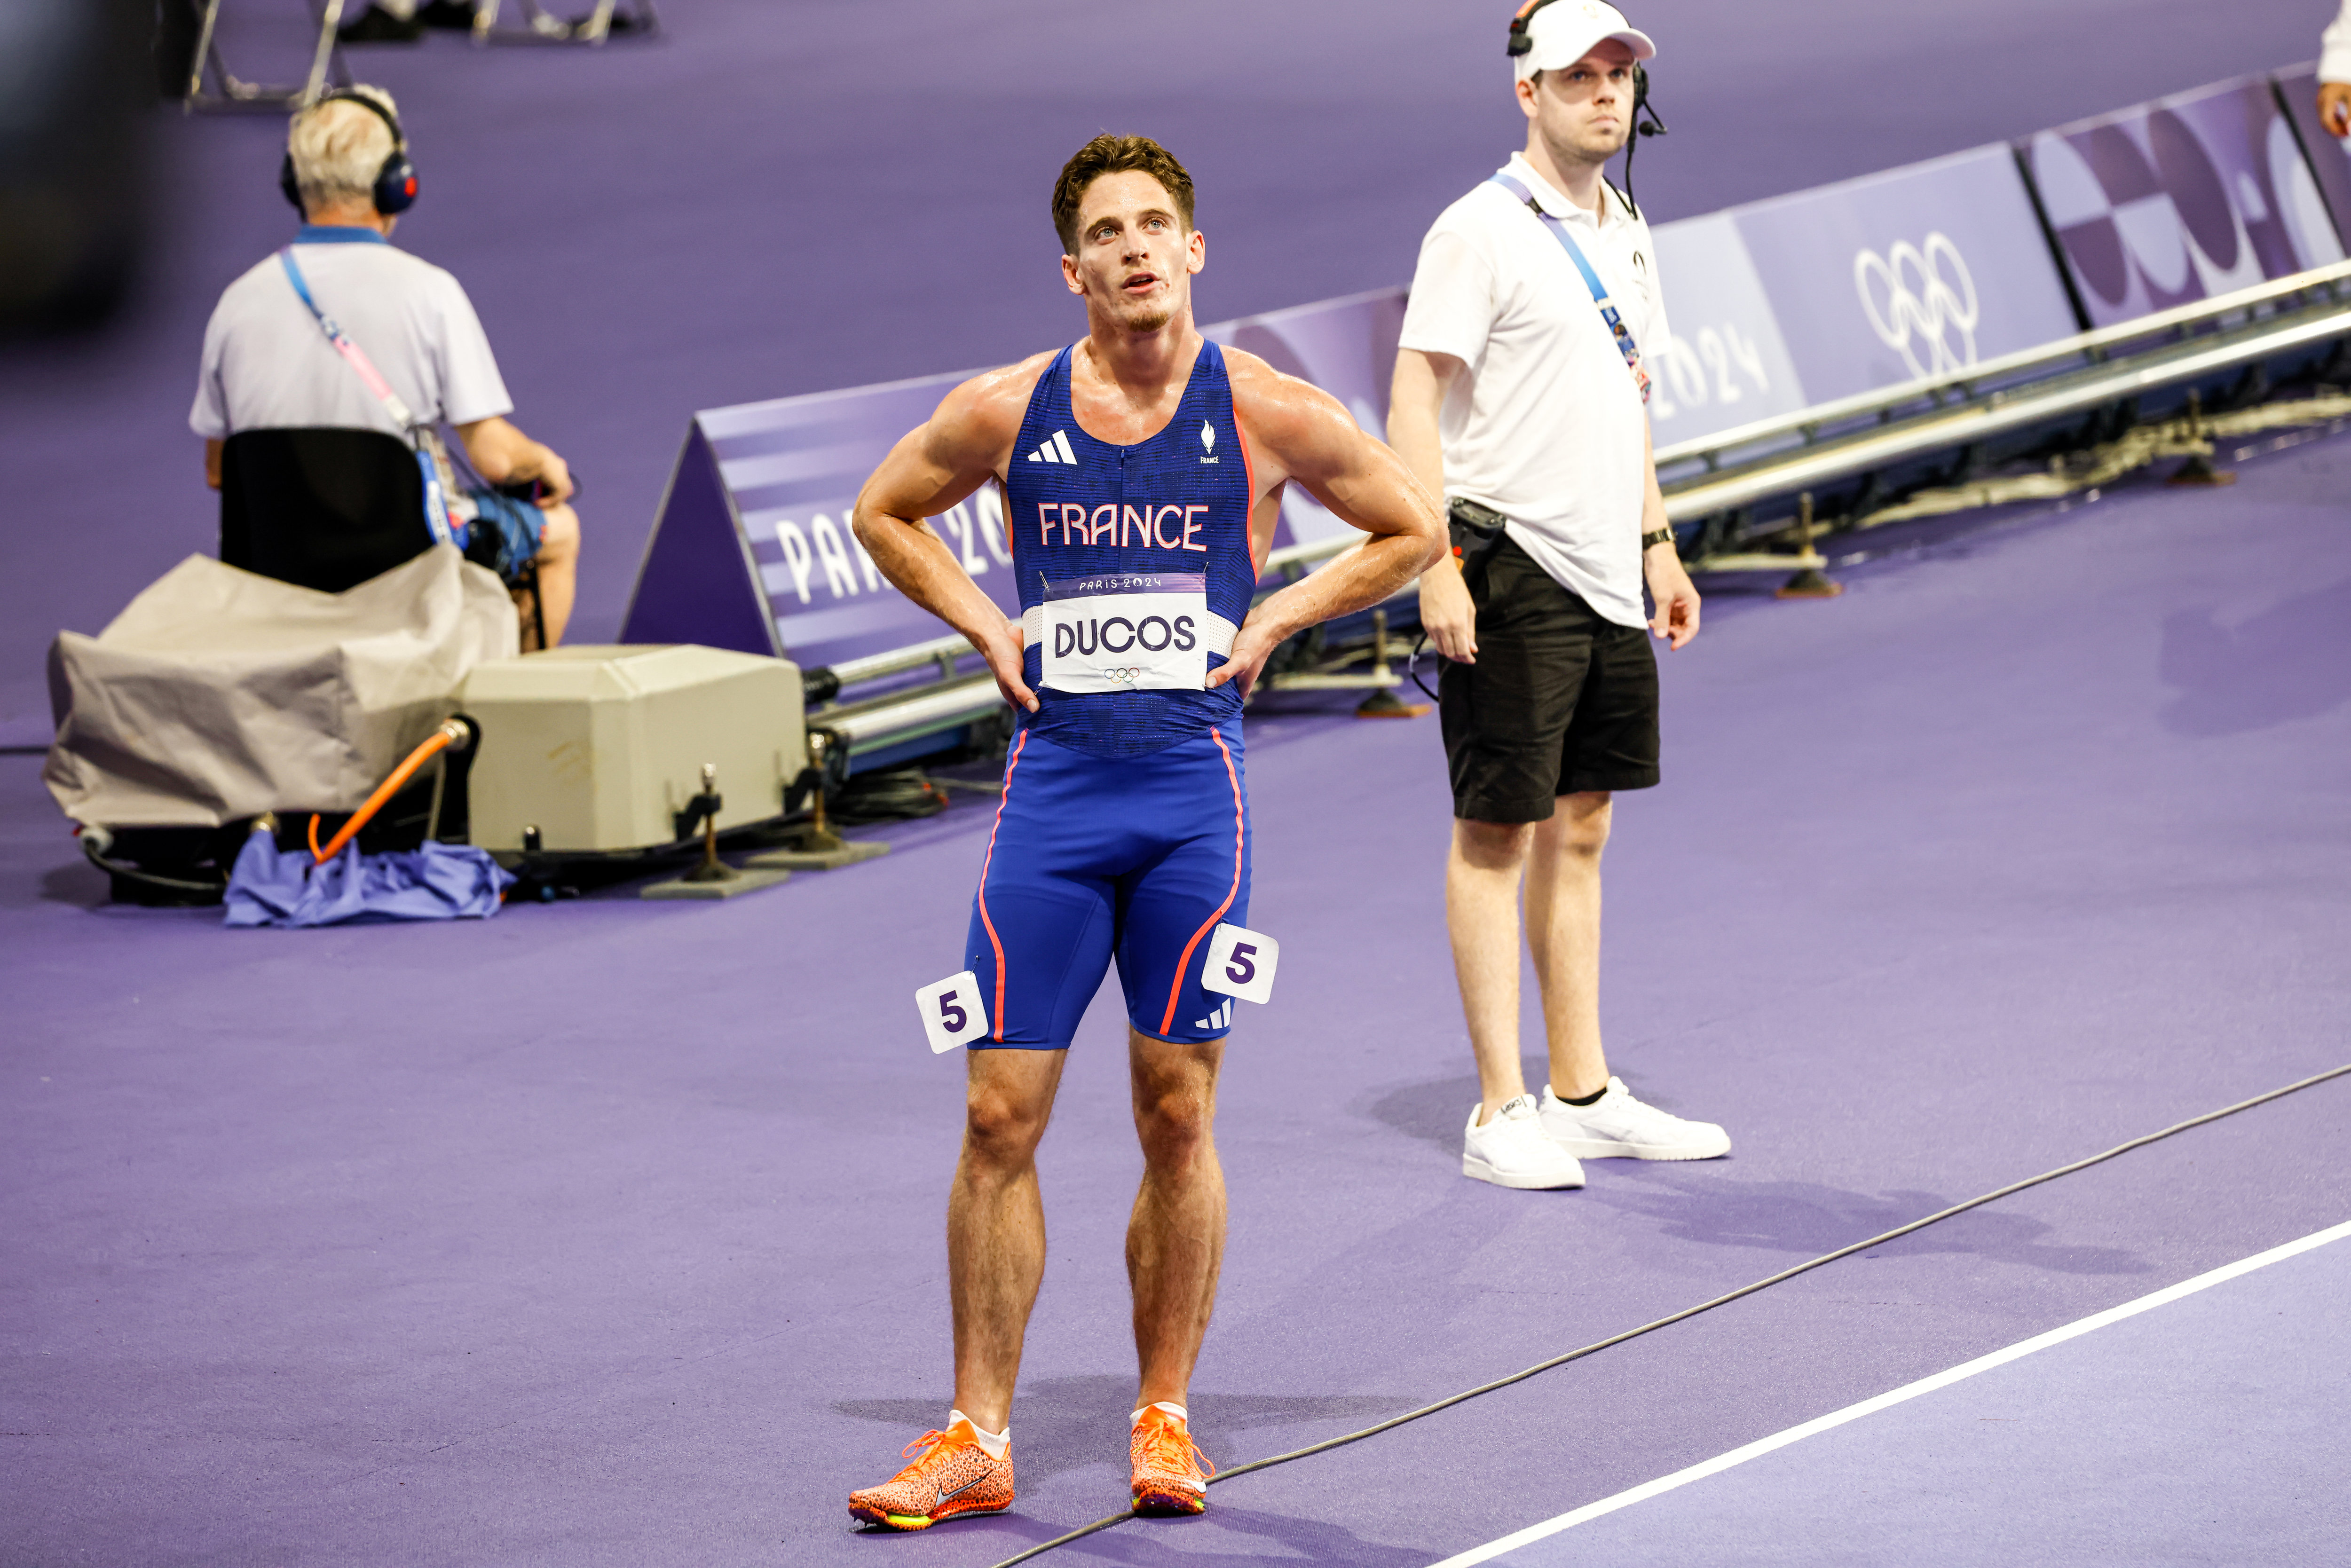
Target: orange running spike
(952,1476)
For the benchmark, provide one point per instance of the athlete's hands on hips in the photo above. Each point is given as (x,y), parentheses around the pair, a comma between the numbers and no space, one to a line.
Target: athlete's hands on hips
(1447,613)
(999,643)
(2335,107)
(1251,647)
(1669,585)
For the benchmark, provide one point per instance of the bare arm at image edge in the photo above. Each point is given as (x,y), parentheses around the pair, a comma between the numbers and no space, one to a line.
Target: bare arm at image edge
(2334,75)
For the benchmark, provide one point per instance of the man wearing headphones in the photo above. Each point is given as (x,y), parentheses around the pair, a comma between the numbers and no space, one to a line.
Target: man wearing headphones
(1519,395)
(342,330)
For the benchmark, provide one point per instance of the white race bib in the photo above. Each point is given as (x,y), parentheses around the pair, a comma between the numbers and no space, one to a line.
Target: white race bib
(1126,631)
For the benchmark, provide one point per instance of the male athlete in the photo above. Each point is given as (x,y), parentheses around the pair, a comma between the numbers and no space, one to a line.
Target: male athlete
(1143,471)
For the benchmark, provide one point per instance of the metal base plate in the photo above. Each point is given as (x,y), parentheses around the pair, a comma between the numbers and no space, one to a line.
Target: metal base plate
(743,881)
(820,859)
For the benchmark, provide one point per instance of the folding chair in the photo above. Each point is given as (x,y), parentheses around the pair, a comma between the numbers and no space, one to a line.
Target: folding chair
(235,93)
(538,28)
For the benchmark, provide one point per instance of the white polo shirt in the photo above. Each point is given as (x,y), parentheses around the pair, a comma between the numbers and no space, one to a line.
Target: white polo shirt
(1546,424)
(267,366)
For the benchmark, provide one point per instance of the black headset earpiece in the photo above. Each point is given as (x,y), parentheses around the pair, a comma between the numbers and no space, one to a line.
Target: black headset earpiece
(395,183)
(1520,42)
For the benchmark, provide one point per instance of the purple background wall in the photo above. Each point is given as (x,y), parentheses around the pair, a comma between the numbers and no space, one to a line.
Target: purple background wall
(779,199)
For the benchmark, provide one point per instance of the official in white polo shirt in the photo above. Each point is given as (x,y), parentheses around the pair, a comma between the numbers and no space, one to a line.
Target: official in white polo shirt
(1520,397)
(268,364)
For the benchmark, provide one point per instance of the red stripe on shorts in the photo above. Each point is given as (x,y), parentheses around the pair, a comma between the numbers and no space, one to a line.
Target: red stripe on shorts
(994,940)
(1167,1024)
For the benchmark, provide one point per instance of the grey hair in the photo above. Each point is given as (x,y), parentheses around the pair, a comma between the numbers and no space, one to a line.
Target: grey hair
(338,148)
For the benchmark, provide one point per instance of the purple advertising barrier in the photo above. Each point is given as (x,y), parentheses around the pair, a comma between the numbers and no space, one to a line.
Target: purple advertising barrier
(1723,363)
(752,548)
(1348,347)
(2326,178)
(2180,200)
(1914,272)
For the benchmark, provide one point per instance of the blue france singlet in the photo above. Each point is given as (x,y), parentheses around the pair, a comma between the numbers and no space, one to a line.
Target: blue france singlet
(1134,564)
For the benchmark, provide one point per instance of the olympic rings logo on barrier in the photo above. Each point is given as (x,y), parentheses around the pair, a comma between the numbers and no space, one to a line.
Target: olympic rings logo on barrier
(1927,294)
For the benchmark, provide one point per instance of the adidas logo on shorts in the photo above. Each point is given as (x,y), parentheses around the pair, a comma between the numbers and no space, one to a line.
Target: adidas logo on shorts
(1055,450)
(1221,1018)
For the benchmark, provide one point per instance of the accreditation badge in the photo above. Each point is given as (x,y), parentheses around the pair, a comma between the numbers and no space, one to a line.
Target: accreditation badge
(1127,632)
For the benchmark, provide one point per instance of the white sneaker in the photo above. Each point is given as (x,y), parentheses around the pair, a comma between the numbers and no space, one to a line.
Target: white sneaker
(1511,1150)
(1617,1126)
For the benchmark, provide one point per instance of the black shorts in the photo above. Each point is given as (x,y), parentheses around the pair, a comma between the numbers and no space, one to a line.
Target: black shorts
(1561,701)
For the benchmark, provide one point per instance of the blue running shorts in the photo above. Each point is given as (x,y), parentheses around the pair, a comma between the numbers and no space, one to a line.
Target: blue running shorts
(1091,857)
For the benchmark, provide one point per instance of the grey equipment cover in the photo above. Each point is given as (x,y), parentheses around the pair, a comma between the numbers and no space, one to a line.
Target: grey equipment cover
(217,694)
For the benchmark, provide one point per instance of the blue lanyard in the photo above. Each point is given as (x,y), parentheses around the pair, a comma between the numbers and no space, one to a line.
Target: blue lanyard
(1608,311)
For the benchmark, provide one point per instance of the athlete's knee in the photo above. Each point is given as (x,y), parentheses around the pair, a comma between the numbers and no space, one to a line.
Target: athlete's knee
(1002,1123)
(1491,846)
(1175,1119)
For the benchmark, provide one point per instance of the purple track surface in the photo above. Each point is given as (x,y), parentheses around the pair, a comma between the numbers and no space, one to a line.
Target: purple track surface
(610,1232)
(2208,1429)
(787,198)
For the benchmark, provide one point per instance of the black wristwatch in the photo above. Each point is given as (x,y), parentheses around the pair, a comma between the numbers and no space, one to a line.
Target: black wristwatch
(1656,536)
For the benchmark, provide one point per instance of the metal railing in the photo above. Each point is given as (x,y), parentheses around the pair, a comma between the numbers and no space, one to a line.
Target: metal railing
(1872,430)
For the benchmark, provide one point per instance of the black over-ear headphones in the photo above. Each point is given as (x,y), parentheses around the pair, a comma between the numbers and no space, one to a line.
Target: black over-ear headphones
(395,183)
(1645,119)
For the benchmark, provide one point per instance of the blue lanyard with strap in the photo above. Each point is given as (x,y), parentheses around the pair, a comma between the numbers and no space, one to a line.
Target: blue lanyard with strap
(445,527)
(1608,311)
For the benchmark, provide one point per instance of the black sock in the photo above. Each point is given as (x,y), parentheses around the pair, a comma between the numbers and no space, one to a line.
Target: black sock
(1591,1099)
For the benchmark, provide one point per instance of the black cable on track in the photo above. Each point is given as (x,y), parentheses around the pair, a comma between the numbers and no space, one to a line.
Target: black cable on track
(1687,1312)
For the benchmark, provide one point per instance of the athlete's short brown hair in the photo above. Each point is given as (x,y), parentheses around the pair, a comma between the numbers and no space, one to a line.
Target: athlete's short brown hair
(1108,154)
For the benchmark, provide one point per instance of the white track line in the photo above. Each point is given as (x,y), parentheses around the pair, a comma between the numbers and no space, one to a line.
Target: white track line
(1721,1462)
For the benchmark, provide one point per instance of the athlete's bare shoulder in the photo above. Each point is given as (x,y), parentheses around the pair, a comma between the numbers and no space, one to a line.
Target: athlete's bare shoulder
(1302,428)
(983,415)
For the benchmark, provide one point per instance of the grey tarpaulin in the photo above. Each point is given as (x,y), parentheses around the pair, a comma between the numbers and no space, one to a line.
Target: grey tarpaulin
(217,694)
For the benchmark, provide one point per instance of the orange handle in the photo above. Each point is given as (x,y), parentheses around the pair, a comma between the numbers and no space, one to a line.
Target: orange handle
(440,740)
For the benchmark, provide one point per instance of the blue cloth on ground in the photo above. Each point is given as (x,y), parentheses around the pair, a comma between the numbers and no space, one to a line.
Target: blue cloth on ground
(270,887)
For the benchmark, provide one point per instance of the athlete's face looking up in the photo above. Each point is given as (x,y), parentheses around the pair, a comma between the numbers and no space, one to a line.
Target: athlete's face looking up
(1584,111)
(1135,258)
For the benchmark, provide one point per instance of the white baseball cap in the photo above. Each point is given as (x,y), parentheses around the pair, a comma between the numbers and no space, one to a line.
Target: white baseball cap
(1563,31)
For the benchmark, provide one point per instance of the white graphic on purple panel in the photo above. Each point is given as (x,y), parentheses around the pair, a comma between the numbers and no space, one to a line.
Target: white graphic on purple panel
(1915,271)
(1726,364)
(2181,200)
(1920,300)
(2300,206)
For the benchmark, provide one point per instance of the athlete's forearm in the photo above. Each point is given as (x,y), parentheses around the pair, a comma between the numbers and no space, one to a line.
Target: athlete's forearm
(1368,575)
(919,565)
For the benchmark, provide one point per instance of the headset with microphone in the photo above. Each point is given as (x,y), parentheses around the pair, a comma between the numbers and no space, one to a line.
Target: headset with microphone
(395,183)
(1645,119)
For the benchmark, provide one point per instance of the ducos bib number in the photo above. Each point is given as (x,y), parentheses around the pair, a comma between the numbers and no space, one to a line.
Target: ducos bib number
(1127,632)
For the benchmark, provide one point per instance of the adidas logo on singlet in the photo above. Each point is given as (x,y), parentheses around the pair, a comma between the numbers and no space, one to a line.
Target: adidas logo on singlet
(1055,450)
(1221,1018)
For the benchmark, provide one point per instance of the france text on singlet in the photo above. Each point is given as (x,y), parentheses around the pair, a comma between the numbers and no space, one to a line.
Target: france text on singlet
(1134,564)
